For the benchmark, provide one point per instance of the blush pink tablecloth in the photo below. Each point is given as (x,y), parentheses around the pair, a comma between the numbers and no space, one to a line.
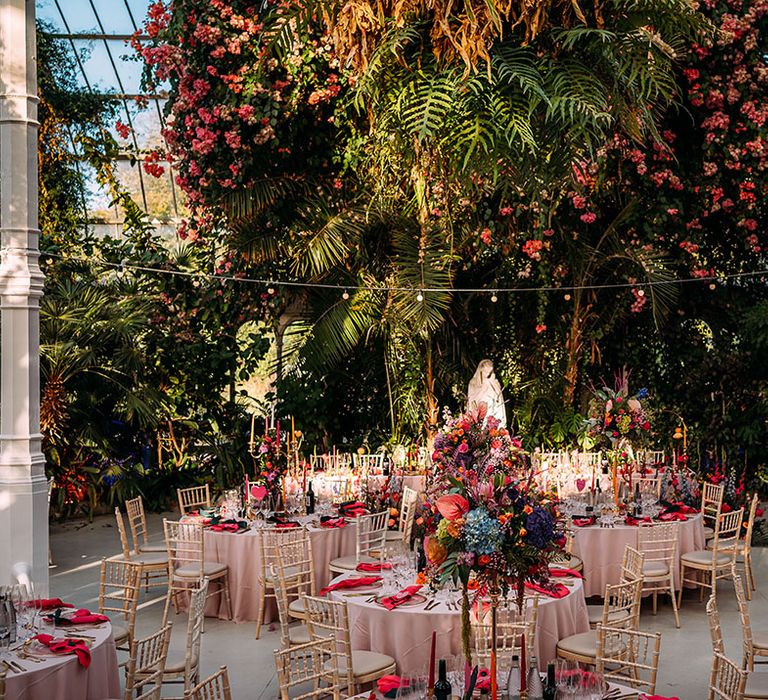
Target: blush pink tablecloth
(241,553)
(63,678)
(406,633)
(602,550)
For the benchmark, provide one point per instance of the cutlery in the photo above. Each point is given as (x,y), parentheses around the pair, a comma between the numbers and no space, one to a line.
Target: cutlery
(8,668)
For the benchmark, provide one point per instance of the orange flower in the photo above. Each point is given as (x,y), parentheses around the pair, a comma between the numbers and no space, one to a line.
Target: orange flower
(435,552)
(394,512)
(454,528)
(523,532)
(528,510)
(504,517)
(421,577)
(472,584)
(483,560)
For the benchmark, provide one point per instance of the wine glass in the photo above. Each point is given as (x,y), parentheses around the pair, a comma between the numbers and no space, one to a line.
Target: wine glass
(6,621)
(567,677)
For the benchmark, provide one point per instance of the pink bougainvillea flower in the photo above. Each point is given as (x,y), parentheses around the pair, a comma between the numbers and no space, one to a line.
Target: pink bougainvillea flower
(453,506)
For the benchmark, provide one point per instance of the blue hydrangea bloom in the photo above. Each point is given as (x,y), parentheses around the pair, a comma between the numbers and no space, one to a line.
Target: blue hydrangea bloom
(482,534)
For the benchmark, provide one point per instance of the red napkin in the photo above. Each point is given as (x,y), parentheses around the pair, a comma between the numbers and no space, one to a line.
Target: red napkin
(389,685)
(583,522)
(673,516)
(392,601)
(83,616)
(682,508)
(629,520)
(224,527)
(655,697)
(562,573)
(290,523)
(67,646)
(553,590)
(352,510)
(49,604)
(351,583)
(333,522)
(372,568)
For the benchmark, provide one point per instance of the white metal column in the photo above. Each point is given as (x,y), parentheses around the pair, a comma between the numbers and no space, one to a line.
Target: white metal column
(23,486)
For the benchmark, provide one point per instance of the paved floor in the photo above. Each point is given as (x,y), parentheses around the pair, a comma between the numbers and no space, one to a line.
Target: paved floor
(78,547)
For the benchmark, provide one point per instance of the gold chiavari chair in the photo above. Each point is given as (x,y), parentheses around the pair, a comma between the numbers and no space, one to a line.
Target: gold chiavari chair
(295,542)
(154,565)
(137,522)
(119,583)
(718,562)
(711,505)
(145,667)
(187,565)
(631,570)
(510,625)
(620,610)
(744,550)
(727,680)
(658,543)
(215,687)
(356,667)
(755,642)
(310,663)
(370,541)
(284,589)
(629,657)
(194,498)
(572,561)
(401,538)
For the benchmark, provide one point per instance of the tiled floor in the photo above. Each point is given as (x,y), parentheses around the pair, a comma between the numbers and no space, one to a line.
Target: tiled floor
(685,653)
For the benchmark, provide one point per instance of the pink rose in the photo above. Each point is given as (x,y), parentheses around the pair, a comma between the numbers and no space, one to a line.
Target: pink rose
(453,506)
(463,447)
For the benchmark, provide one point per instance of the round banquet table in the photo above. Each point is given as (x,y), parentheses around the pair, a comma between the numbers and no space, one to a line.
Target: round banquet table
(405,633)
(602,549)
(242,554)
(61,677)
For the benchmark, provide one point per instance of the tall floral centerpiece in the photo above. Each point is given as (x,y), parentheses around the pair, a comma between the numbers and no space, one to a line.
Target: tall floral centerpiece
(620,421)
(270,459)
(489,522)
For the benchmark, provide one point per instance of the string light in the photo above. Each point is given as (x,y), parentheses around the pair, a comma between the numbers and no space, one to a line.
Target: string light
(641,292)
(273,284)
(345,295)
(494,298)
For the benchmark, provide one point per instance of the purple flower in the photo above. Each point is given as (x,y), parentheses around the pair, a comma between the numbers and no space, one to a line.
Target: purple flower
(540,528)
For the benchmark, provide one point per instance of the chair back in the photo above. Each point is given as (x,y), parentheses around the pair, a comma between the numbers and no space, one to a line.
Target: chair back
(329,618)
(305,664)
(727,681)
(184,542)
(510,625)
(215,687)
(711,501)
(632,564)
(371,534)
(368,463)
(750,524)
(194,498)
(715,630)
(195,621)
(621,608)
(119,583)
(408,504)
(658,543)
(272,540)
(123,534)
(629,657)
(727,534)
(147,665)
(746,624)
(650,485)
(137,521)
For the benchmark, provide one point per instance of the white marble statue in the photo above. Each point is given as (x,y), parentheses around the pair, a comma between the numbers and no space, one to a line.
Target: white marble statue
(485,388)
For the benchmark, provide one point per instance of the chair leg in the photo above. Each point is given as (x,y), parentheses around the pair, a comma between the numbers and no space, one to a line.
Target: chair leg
(655,599)
(674,602)
(680,592)
(227,599)
(262,603)
(749,575)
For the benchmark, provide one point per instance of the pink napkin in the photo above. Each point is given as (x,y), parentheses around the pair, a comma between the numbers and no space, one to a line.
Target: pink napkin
(351,583)
(553,590)
(372,568)
(563,572)
(333,522)
(67,646)
(389,685)
(83,616)
(224,527)
(643,696)
(49,604)
(392,601)
(290,523)
(583,522)
(673,516)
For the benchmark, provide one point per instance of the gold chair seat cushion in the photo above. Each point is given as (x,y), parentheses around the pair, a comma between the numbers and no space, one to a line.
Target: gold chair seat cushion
(177,661)
(584,644)
(350,563)
(760,639)
(655,568)
(708,532)
(119,632)
(152,558)
(394,536)
(192,571)
(289,572)
(152,548)
(702,557)
(299,634)
(364,663)
(757,685)
(595,613)
(297,606)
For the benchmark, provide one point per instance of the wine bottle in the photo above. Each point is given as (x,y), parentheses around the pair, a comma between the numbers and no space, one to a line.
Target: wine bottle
(535,688)
(550,690)
(309,499)
(513,679)
(442,686)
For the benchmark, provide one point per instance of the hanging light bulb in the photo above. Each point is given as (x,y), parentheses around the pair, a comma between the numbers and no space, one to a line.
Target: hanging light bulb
(712,286)
(641,292)
(419,296)
(270,290)
(345,295)
(567,297)
(494,298)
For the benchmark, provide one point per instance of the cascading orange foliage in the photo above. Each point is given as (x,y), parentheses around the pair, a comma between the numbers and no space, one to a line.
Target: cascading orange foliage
(462,31)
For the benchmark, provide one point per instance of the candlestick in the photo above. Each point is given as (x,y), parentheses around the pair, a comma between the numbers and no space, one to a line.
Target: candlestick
(277,436)
(253,427)
(431,681)
(523,666)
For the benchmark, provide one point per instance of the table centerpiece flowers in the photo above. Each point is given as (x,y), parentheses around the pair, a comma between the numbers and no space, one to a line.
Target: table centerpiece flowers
(270,460)
(490,527)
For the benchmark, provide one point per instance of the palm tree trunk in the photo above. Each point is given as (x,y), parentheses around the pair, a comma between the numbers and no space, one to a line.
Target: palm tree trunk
(573,348)
(430,400)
